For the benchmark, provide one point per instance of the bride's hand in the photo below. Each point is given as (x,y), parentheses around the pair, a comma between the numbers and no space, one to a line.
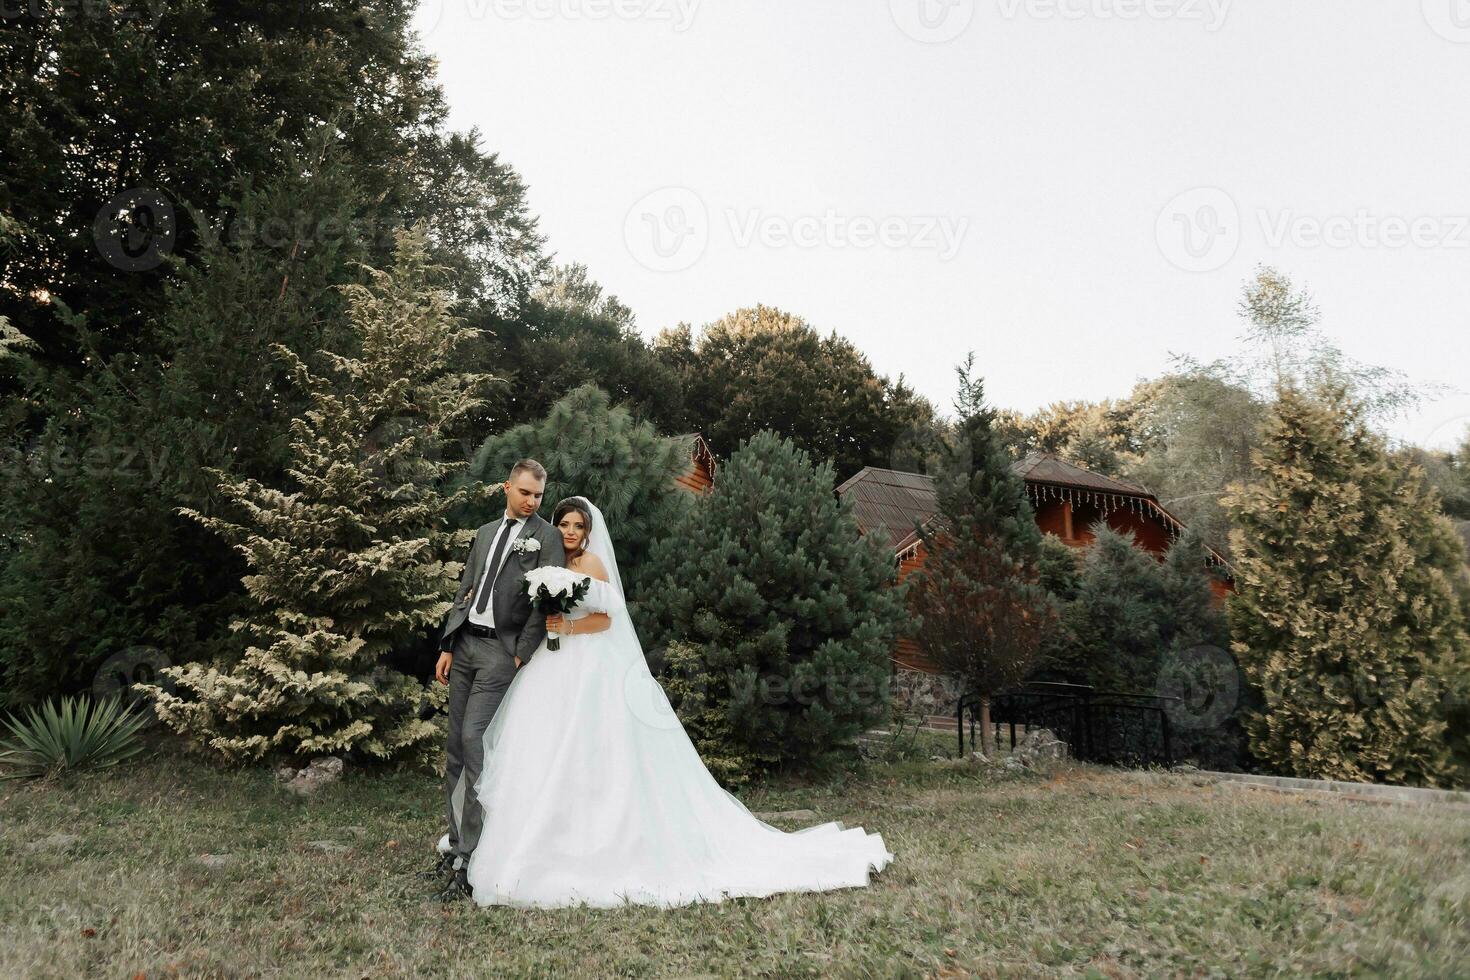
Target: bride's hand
(554,624)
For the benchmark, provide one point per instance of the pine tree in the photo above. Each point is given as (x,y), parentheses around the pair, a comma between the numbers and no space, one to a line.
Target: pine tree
(594,449)
(1191,614)
(1060,571)
(141,377)
(1209,693)
(787,605)
(355,557)
(977,602)
(1342,618)
(1115,623)
(973,479)
(979,612)
(1127,611)
(99,559)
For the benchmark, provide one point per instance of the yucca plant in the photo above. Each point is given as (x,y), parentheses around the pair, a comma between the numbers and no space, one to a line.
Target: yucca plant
(81,734)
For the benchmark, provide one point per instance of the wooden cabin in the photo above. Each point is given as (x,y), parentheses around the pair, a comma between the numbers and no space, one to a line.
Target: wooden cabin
(1067,499)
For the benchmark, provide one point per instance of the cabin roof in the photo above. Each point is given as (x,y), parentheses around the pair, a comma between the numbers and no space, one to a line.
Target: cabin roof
(1049,468)
(888,503)
(891,504)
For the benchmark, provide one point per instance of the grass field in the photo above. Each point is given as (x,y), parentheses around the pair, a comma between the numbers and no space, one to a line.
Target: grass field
(1070,871)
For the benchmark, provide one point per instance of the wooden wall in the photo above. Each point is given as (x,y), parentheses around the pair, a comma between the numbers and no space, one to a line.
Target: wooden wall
(907,654)
(1052,517)
(700,477)
(697,479)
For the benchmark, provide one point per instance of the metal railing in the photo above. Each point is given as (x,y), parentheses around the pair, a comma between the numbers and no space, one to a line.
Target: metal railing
(1120,728)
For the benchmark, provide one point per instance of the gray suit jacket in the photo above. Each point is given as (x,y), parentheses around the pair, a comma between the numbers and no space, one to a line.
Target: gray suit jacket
(515,627)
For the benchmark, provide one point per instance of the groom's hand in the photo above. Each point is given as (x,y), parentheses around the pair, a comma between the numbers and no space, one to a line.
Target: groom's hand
(441,671)
(518,663)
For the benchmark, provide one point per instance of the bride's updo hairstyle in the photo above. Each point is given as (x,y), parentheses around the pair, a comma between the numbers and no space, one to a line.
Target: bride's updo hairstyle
(566,506)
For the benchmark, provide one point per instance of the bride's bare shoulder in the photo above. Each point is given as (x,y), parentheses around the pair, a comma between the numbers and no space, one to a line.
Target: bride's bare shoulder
(589,565)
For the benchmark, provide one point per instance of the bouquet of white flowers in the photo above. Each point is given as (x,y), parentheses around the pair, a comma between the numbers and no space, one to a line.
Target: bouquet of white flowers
(557,590)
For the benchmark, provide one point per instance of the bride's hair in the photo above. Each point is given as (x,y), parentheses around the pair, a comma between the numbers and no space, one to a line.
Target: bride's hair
(564,507)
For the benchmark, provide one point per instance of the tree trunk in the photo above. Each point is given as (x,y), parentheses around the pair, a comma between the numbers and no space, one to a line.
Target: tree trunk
(986,741)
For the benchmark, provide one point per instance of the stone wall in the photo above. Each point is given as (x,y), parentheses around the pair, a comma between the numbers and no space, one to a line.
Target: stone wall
(917,694)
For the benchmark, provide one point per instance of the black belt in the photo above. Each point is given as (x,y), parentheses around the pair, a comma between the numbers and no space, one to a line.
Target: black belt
(479,630)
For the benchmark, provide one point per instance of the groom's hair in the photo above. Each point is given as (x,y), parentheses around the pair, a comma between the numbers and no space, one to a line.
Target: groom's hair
(528,466)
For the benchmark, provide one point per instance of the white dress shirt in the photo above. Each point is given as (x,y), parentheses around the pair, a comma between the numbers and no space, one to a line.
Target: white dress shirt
(487,618)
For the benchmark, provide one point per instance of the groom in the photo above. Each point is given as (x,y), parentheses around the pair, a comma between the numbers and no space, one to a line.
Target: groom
(488,635)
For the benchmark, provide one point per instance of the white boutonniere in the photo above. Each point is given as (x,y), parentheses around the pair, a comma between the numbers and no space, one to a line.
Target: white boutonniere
(525,546)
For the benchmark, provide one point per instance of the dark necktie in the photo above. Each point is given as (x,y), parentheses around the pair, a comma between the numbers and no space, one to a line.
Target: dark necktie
(505,536)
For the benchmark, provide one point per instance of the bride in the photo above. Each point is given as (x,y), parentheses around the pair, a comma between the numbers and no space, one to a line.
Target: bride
(593,793)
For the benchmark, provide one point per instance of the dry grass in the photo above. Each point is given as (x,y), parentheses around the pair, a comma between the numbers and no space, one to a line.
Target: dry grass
(1077,871)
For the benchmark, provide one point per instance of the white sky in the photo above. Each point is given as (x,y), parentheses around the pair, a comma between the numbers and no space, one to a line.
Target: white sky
(1024,159)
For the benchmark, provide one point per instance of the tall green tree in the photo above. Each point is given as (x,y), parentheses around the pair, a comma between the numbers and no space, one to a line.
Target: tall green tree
(1115,622)
(571,333)
(1192,615)
(1127,612)
(761,368)
(99,559)
(1100,436)
(285,146)
(1345,616)
(1195,430)
(1131,622)
(1448,471)
(978,604)
(188,99)
(973,479)
(778,614)
(354,556)
(595,449)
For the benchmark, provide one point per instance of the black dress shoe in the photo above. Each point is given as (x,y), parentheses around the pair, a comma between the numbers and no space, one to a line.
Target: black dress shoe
(444,866)
(457,889)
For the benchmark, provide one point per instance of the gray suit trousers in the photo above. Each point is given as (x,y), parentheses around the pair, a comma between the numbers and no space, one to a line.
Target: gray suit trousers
(478,678)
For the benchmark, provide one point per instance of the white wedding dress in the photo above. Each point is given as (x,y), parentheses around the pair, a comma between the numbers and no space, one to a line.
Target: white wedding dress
(594,795)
